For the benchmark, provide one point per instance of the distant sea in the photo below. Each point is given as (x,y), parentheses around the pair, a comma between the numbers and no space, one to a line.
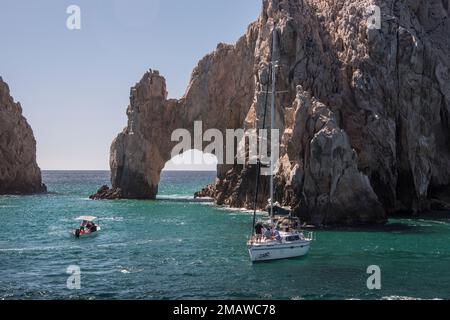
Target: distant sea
(182,250)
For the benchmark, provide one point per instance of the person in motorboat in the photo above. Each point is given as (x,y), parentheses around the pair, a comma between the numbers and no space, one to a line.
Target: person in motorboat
(87,226)
(90,227)
(93,227)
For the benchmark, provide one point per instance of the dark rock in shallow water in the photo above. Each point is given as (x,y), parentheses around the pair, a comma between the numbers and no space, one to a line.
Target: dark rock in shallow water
(105,193)
(207,192)
(19,172)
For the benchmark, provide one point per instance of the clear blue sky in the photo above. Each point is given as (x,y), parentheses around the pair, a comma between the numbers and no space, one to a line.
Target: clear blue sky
(74,85)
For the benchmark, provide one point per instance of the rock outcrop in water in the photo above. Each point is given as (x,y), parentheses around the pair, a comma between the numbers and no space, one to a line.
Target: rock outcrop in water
(365,112)
(106,193)
(19,172)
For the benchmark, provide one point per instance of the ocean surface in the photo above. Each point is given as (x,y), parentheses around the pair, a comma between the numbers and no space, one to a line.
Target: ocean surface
(171,249)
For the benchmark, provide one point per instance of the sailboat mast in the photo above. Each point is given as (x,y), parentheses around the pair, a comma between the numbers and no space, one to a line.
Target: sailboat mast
(266,100)
(272,114)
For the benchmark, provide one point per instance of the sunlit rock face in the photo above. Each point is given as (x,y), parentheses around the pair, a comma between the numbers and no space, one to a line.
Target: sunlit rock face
(364,112)
(19,172)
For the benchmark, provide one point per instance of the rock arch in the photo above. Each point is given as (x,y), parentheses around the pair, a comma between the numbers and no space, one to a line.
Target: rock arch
(364,111)
(217,95)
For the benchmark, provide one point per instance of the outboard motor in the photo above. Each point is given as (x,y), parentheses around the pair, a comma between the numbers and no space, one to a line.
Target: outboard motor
(77,233)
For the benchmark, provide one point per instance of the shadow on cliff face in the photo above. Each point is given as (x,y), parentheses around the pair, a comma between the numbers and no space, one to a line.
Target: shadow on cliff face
(393,105)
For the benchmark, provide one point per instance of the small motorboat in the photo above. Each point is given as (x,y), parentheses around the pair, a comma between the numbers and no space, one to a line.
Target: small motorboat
(87,227)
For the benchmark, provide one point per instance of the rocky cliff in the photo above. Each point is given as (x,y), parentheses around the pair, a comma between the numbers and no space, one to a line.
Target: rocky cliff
(19,173)
(364,110)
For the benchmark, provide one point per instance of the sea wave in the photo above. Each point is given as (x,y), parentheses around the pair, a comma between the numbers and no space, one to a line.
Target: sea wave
(173,222)
(138,243)
(183,198)
(128,270)
(174,197)
(445,223)
(406,298)
(113,219)
(33,249)
(239,211)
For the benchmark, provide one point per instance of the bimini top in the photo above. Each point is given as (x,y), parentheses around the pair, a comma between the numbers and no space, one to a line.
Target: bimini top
(86,218)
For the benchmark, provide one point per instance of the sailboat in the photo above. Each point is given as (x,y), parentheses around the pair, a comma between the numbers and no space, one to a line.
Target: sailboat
(282,238)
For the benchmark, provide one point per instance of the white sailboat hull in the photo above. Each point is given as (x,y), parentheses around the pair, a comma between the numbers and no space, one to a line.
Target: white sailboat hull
(267,252)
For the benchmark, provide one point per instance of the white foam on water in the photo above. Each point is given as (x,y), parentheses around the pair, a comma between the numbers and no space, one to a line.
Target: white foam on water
(298,298)
(174,197)
(138,243)
(239,211)
(406,298)
(31,249)
(127,270)
(445,223)
(174,222)
(184,198)
(143,242)
(113,219)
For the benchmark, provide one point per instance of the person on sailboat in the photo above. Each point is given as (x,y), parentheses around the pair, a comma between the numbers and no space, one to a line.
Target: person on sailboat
(268,233)
(276,235)
(259,231)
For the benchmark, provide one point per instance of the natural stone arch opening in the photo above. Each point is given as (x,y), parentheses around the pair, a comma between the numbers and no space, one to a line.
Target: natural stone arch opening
(192,160)
(140,153)
(184,175)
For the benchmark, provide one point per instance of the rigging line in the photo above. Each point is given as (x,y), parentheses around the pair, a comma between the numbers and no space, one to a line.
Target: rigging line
(258,170)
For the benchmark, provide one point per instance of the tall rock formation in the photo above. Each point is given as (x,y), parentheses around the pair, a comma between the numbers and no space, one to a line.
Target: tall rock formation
(364,115)
(19,172)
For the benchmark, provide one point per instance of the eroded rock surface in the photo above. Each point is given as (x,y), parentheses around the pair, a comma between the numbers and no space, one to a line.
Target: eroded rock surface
(19,172)
(365,112)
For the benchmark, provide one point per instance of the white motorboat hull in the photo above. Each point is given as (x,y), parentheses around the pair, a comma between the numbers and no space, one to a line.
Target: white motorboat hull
(278,251)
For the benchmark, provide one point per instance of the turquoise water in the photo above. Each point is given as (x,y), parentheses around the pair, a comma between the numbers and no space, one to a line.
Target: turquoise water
(179,250)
